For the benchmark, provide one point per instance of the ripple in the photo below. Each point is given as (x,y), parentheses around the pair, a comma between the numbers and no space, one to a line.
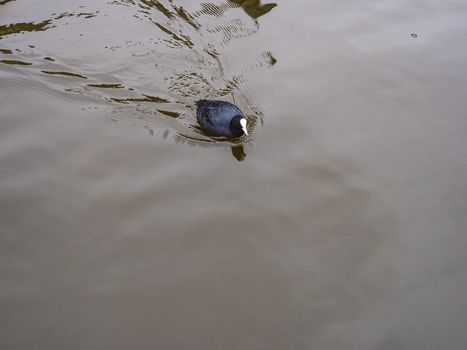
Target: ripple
(157,5)
(146,98)
(21,63)
(185,40)
(169,113)
(183,57)
(106,86)
(74,14)
(69,74)
(213,9)
(186,16)
(23,27)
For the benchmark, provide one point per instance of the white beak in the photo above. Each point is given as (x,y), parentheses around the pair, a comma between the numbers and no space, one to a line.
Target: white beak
(243,124)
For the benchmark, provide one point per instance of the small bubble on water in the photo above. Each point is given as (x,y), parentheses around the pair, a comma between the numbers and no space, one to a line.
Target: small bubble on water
(414,35)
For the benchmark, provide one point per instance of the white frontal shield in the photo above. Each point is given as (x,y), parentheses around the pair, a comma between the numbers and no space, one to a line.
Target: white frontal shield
(243,124)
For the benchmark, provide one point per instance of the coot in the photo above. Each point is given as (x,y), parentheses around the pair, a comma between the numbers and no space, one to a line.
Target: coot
(221,118)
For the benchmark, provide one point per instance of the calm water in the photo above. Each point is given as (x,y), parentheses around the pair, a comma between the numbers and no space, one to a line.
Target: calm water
(339,224)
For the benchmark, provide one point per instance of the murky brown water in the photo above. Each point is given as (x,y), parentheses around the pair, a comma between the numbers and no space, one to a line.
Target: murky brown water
(343,225)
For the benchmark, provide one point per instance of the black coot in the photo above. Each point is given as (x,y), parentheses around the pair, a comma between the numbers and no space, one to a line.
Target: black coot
(221,118)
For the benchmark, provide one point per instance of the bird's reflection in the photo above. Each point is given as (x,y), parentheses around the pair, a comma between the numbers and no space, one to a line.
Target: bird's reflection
(238,152)
(254,8)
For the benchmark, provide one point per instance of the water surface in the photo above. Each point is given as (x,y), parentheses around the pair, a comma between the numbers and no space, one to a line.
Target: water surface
(339,224)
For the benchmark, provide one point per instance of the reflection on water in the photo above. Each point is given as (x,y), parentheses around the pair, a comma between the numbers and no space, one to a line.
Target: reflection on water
(107,86)
(182,58)
(146,98)
(23,27)
(254,8)
(68,74)
(238,152)
(344,227)
(15,62)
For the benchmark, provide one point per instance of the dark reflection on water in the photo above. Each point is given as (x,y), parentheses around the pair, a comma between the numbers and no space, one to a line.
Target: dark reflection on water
(68,74)
(239,152)
(107,86)
(3,2)
(146,98)
(23,27)
(254,8)
(16,62)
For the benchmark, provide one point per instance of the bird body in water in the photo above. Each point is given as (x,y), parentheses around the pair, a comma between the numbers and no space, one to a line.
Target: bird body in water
(221,118)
